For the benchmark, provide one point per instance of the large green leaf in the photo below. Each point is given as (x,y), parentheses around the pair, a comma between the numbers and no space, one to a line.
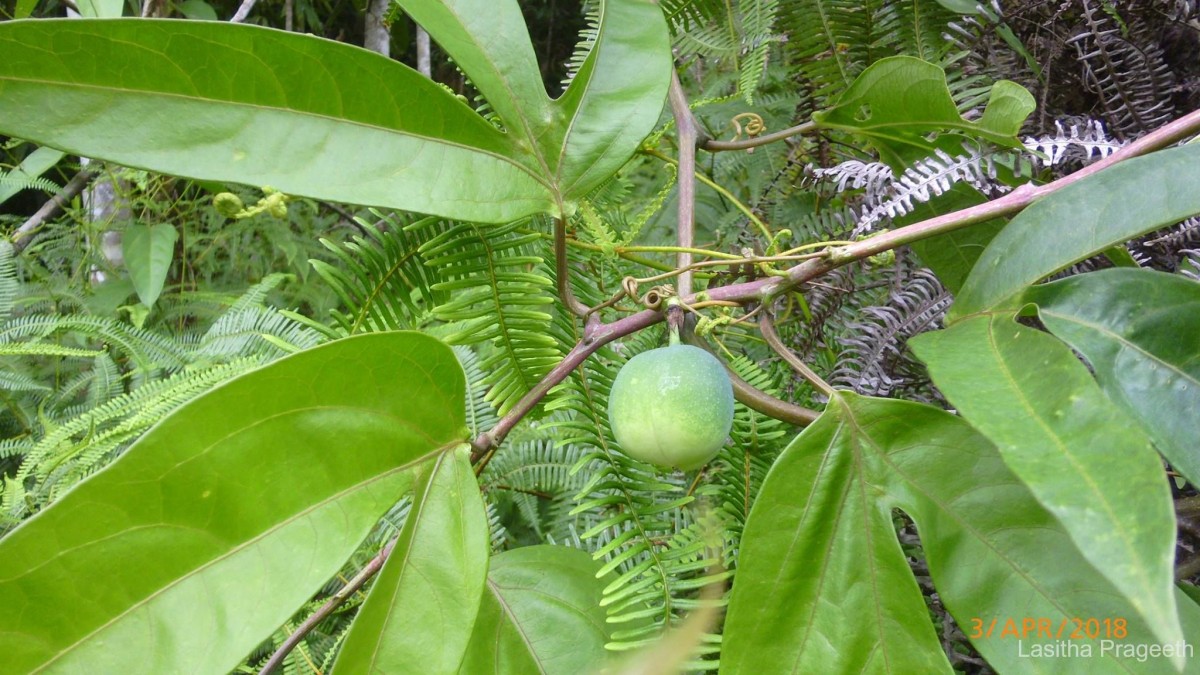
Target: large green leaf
(419,614)
(1080,455)
(321,119)
(148,251)
(897,102)
(268,108)
(207,534)
(541,613)
(1134,197)
(489,41)
(994,552)
(615,100)
(822,584)
(1129,324)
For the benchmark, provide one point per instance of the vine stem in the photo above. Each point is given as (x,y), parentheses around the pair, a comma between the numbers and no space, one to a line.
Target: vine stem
(343,594)
(721,146)
(597,333)
(562,271)
(756,399)
(766,326)
(688,133)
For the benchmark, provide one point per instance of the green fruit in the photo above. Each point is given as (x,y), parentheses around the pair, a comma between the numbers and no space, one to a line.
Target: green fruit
(672,406)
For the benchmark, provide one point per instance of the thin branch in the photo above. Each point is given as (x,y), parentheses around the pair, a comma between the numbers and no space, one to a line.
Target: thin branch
(343,594)
(756,399)
(767,327)
(719,146)
(346,216)
(688,132)
(26,232)
(562,272)
(243,11)
(423,63)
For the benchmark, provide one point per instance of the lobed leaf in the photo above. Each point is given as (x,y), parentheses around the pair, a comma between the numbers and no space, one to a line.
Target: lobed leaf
(822,583)
(1080,455)
(613,102)
(898,101)
(994,553)
(1128,324)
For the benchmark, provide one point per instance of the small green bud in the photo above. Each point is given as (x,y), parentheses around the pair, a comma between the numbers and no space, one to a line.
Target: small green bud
(276,204)
(228,204)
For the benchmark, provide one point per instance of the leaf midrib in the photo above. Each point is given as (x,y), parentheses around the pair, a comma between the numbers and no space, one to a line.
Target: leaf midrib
(201,100)
(1081,470)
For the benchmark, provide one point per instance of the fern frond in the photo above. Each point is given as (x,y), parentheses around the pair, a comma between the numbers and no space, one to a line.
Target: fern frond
(9,285)
(71,450)
(1078,140)
(44,349)
(684,15)
(1127,70)
(916,28)
(14,381)
(741,467)
(255,331)
(146,348)
(928,178)
(1191,267)
(498,296)
(381,279)
(534,476)
(886,196)
(874,178)
(830,41)
(587,40)
(874,361)
(19,180)
(481,416)
(11,447)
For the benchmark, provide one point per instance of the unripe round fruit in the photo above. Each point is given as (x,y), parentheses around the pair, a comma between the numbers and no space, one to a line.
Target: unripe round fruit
(672,406)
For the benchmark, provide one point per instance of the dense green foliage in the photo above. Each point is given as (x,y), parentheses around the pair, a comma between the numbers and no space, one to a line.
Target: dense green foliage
(316,371)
